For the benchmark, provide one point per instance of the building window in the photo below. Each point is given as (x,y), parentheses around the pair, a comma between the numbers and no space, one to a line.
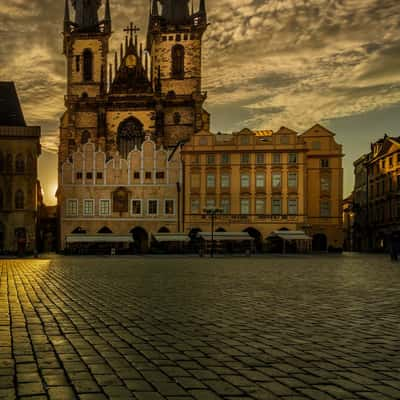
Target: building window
(72,208)
(292,180)
(169,207)
(244,181)
(245,140)
(260,158)
(178,62)
(130,136)
(19,200)
(210,203)
(244,206)
(284,139)
(260,206)
(177,118)
(276,206)
(210,159)
(88,208)
(276,180)
(85,137)
(226,206)
(136,175)
(99,175)
(1,162)
(87,65)
(316,145)
(136,207)
(153,207)
(225,158)
(195,181)
(325,209)
(276,158)
(104,208)
(245,158)
(195,206)
(324,163)
(9,162)
(210,181)
(148,175)
(292,206)
(79,176)
(292,158)
(225,181)
(325,184)
(89,175)
(260,180)
(160,175)
(196,159)
(19,164)
(78,63)
(390,161)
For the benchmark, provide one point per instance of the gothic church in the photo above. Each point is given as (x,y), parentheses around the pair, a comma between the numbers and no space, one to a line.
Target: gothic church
(126,117)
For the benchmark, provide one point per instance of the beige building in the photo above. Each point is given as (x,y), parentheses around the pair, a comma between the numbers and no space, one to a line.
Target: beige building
(19,150)
(265,182)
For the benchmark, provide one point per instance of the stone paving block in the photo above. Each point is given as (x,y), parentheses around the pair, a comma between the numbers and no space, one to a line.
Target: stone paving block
(205,395)
(7,394)
(61,393)
(31,388)
(138,385)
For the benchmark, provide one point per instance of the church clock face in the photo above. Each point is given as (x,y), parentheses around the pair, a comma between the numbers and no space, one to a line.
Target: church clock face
(131,61)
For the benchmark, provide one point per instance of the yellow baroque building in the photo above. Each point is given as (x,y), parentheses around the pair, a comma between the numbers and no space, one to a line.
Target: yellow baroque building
(264,182)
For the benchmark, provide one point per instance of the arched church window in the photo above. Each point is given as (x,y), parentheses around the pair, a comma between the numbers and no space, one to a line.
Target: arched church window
(85,137)
(19,164)
(19,200)
(87,65)
(178,61)
(130,135)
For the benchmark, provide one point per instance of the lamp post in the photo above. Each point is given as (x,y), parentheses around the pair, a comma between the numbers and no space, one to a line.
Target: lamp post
(212,212)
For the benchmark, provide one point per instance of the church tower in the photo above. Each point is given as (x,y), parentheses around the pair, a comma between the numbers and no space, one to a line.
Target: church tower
(174,42)
(86,42)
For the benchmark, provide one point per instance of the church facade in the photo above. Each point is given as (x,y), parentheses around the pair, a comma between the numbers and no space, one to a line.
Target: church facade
(125,120)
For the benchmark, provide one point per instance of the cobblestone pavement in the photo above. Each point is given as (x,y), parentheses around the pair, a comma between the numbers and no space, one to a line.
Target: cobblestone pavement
(321,328)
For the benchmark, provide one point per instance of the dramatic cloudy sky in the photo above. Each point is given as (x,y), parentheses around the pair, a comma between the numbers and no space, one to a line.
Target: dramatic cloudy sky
(266,64)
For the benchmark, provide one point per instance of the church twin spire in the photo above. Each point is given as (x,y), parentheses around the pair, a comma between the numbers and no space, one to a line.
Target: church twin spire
(86,17)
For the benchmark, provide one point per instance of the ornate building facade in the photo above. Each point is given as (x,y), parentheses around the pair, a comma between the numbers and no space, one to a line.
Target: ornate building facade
(19,151)
(265,182)
(128,117)
(137,157)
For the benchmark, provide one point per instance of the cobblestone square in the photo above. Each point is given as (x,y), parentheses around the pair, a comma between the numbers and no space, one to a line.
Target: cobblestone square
(177,328)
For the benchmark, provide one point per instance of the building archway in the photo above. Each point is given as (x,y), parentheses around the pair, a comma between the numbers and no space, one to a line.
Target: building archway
(193,233)
(164,229)
(256,235)
(79,230)
(319,242)
(220,230)
(105,229)
(141,240)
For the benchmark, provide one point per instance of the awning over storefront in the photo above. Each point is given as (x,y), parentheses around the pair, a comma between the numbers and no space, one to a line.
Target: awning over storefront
(99,238)
(226,236)
(171,237)
(291,235)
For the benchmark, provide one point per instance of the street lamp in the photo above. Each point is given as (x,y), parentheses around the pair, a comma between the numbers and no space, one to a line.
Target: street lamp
(212,212)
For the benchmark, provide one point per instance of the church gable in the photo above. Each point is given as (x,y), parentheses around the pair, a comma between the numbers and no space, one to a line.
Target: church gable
(131,76)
